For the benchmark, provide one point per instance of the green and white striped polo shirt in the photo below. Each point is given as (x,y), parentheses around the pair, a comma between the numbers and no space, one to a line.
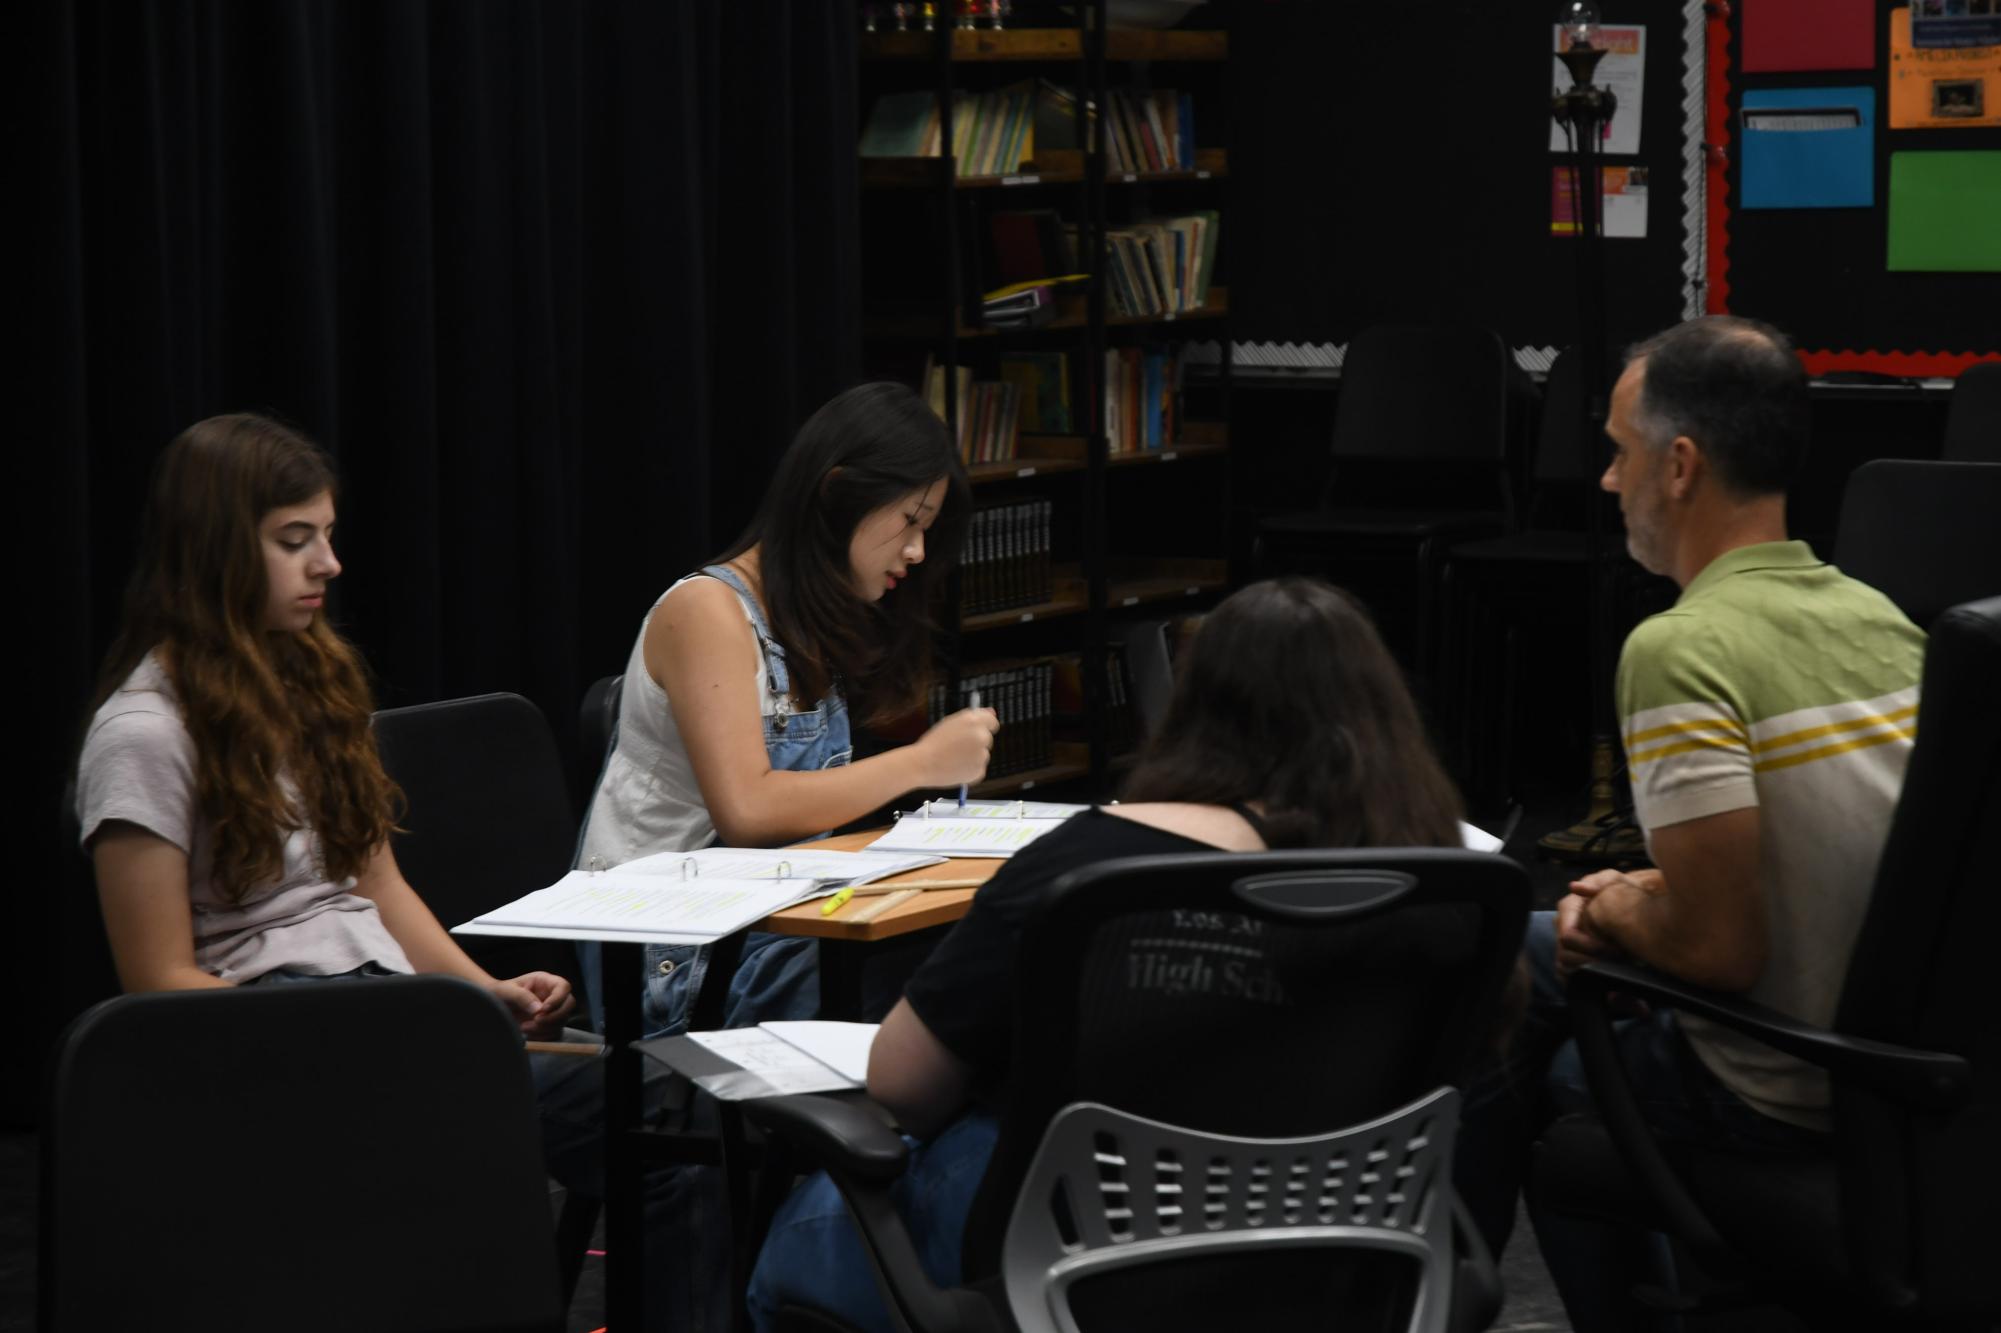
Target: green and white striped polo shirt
(1779,682)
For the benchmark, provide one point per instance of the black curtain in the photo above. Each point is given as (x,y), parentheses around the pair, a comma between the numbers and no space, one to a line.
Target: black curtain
(554,282)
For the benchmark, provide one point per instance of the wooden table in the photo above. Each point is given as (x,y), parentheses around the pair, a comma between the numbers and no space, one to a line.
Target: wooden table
(938,907)
(843,947)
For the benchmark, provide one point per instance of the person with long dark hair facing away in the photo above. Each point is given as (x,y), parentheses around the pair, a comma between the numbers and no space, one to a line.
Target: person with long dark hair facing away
(734,712)
(228,787)
(1289,726)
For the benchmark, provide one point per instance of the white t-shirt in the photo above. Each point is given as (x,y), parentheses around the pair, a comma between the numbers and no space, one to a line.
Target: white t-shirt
(138,765)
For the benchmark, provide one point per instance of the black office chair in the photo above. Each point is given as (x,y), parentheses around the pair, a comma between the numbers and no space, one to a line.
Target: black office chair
(1420,450)
(1923,533)
(597,725)
(1252,1131)
(488,821)
(354,1155)
(488,817)
(1973,416)
(1897,1225)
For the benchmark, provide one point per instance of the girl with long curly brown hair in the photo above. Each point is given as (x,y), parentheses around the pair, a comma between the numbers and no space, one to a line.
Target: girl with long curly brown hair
(229,790)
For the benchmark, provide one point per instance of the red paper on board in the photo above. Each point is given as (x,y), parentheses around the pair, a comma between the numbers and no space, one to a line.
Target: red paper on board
(1809,34)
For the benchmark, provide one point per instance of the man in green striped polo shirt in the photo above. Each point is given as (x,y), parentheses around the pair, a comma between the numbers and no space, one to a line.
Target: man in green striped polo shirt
(1768,717)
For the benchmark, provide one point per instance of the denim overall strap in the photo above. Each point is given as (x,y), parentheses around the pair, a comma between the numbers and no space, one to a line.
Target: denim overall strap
(776,977)
(777,680)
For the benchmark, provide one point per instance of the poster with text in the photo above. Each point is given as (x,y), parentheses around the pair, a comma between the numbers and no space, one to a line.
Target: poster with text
(1622,70)
(1941,87)
(1625,195)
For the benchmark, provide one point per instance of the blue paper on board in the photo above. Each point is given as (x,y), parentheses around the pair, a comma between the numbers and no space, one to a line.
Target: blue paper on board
(1808,148)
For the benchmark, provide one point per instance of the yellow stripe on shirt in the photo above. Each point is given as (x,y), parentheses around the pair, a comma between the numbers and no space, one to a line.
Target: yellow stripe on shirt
(1726,724)
(1772,743)
(1732,743)
(1860,743)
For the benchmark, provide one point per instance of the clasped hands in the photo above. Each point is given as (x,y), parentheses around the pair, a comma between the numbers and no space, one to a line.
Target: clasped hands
(1578,939)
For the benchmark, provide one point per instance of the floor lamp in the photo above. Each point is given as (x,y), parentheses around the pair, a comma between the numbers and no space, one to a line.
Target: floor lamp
(1585,110)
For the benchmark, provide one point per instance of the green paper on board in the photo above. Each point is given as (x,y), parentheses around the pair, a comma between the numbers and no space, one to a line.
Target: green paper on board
(1945,212)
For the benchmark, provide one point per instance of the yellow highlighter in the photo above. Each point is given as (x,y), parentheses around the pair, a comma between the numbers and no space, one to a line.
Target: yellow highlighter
(837,902)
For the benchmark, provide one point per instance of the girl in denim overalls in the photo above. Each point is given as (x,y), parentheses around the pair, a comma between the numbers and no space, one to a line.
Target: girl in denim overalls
(733,729)
(733,718)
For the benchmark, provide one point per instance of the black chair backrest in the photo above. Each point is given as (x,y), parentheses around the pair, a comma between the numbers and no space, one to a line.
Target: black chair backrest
(1923,533)
(1267,995)
(1563,450)
(488,819)
(1423,395)
(1917,1197)
(597,723)
(331,1157)
(1973,416)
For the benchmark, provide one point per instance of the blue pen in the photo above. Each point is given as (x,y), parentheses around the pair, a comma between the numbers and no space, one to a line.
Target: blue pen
(962,786)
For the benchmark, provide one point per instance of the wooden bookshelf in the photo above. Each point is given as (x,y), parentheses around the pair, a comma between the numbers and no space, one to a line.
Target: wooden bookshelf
(1035,456)
(1006,44)
(1068,761)
(1068,596)
(1051,166)
(934,308)
(1198,439)
(1146,582)
(1047,455)
(1072,312)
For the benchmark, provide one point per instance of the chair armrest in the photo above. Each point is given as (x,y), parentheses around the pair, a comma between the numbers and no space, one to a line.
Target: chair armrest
(1926,1080)
(847,1137)
(853,1141)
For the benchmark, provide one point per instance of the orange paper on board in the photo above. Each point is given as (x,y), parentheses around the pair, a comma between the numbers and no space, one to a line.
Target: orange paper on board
(1941,87)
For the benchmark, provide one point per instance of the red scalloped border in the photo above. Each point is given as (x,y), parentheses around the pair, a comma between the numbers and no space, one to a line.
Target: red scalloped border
(1716,148)
(1716,298)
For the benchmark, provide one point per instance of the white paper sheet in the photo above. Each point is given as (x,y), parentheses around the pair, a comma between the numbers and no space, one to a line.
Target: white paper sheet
(999,810)
(1477,839)
(831,868)
(615,905)
(963,837)
(842,1047)
(783,1067)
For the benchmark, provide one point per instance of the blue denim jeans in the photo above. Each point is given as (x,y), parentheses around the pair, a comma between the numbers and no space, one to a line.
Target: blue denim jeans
(1595,1264)
(813,1256)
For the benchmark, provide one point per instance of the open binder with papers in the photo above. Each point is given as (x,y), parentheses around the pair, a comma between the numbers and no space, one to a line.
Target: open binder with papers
(685,897)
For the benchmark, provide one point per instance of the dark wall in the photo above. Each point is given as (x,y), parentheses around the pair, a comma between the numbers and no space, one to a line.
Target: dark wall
(1391,163)
(554,282)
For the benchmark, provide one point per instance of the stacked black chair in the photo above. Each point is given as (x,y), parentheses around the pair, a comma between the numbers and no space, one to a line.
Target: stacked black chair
(1202,1135)
(1973,416)
(597,725)
(1925,534)
(1492,586)
(321,1159)
(488,821)
(1896,1226)
(1423,421)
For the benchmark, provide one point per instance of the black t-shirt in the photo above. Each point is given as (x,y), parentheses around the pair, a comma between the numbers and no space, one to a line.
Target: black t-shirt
(964,991)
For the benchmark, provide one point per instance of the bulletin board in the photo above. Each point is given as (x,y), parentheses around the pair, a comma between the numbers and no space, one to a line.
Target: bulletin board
(1813,194)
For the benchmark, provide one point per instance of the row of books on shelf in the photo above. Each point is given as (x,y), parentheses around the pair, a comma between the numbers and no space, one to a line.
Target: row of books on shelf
(1163,266)
(1151,131)
(1142,399)
(992,132)
(1006,556)
(1023,697)
(995,132)
(1123,730)
(988,413)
